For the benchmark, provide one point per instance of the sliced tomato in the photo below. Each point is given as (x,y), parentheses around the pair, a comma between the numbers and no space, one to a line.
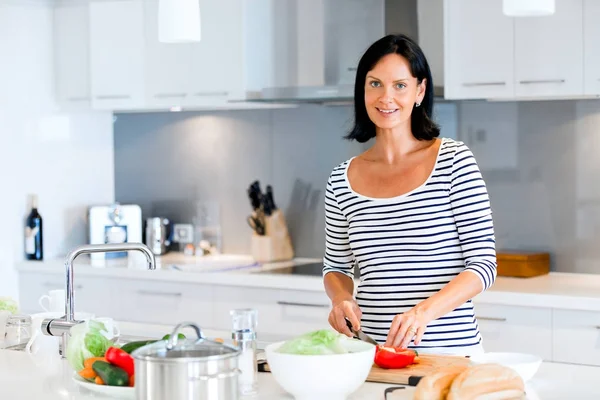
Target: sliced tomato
(394,357)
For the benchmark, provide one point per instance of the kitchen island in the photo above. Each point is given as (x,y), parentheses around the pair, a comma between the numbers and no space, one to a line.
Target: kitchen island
(24,377)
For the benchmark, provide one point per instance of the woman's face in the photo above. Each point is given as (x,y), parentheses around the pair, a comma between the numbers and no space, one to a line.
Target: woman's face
(391,92)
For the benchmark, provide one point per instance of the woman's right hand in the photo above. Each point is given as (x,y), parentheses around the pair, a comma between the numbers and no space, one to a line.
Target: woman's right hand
(342,308)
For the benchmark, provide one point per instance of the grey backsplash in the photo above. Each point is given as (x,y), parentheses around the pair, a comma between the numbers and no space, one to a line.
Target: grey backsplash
(550,201)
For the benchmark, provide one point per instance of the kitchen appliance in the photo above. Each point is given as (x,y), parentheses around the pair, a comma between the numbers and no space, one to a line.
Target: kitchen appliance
(186,369)
(522,264)
(114,223)
(158,235)
(345,28)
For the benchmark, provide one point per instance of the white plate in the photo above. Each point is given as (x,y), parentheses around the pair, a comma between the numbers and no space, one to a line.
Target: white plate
(110,391)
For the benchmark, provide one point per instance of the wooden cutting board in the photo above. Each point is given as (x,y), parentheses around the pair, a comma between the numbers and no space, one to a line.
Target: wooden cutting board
(410,375)
(413,373)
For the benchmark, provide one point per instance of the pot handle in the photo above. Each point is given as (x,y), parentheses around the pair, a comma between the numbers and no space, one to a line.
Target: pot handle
(172,342)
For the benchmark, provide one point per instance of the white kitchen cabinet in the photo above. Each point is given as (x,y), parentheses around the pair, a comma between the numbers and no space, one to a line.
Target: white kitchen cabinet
(149,301)
(71,55)
(92,294)
(576,337)
(549,52)
(478,50)
(117,54)
(286,313)
(515,329)
(591,50)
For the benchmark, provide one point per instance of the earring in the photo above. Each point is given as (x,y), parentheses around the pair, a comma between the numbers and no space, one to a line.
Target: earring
(417,104)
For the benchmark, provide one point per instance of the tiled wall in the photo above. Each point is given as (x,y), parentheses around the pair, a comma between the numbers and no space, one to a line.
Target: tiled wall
(538,158)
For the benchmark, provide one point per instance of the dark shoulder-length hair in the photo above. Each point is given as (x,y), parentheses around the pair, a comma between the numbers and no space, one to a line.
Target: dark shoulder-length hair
(423,127)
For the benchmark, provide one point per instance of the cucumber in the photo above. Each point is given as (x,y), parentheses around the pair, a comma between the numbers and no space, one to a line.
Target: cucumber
(111,374)
(131,346)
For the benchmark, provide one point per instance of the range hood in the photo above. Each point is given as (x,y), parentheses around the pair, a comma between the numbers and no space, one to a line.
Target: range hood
(324,40)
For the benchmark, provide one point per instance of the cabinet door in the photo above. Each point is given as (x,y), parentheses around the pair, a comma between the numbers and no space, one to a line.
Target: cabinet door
(515,329)
(217,60)
(549,52)
(71,54)
(117,54)
(281,313)
(168,66)
(591,38)
(92,294)
(478,50)
(576,337)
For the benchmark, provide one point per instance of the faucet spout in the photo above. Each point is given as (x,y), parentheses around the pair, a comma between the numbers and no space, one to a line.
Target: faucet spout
(61,326)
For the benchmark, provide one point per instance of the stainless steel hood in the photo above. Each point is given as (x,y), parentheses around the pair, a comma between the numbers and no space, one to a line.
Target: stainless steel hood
(329,36)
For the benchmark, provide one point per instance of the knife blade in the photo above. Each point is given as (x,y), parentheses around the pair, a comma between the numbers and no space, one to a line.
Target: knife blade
(360,334)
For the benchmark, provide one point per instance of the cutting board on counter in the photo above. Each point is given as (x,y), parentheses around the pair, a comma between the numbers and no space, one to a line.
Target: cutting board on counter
(404,376)
(413,373)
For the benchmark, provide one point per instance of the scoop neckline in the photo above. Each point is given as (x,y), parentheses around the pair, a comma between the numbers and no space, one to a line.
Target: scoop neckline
(384,199)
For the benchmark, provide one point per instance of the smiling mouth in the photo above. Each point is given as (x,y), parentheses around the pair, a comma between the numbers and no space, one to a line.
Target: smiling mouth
(386,112)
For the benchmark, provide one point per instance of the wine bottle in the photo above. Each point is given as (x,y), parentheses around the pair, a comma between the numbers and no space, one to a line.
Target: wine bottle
(33,232)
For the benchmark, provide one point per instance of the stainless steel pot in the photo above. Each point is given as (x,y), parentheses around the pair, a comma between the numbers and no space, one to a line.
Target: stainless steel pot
(186,369)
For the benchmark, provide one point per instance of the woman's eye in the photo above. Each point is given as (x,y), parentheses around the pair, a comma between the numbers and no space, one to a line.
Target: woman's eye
(400,85)
(375,84)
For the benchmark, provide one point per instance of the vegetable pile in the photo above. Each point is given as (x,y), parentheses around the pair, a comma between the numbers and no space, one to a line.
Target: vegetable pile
(319,342)
(98,359)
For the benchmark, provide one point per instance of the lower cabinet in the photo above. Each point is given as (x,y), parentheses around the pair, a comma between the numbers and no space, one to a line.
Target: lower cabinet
(281,313)
(516,329)
(576,337)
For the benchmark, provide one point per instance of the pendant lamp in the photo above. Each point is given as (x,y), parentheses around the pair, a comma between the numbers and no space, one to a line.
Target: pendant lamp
(178,21)
(528,8)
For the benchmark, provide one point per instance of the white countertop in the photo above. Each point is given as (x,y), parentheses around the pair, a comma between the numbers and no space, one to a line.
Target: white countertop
(26,377)
(556,290)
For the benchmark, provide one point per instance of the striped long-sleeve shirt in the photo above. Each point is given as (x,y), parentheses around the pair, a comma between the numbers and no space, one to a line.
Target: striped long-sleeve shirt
(410,246)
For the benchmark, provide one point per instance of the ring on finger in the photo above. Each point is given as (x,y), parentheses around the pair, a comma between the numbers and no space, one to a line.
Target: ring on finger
(412,330)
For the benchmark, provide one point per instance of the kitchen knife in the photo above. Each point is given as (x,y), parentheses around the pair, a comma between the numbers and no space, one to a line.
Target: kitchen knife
(270,199)
(360,334)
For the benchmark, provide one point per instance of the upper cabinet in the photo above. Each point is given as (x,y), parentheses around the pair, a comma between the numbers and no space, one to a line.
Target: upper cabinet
(71,55)
(117,54)
(591,49)
(490,56)
(479,50)
(549,52)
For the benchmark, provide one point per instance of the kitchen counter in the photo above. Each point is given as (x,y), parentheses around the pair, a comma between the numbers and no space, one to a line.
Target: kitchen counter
(25,377)
(555,290)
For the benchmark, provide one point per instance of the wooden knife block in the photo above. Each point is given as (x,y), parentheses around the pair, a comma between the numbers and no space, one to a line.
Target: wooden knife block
(522,264)
(275,244)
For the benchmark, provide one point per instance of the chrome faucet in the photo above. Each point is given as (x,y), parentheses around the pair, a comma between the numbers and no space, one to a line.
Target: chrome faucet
(61,326)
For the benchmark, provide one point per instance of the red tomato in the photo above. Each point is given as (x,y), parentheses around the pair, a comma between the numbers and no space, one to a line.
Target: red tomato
(394,357)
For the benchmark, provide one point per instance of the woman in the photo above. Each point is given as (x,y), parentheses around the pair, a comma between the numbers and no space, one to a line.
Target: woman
(412,211)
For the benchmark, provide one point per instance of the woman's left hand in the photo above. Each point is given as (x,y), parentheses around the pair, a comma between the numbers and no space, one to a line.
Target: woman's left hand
(406,326)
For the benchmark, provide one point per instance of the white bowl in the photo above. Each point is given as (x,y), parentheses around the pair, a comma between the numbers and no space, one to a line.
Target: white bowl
(331,377)
(526,365)
(118,392)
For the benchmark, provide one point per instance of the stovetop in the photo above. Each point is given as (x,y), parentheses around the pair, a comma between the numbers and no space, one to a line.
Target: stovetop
(312,269)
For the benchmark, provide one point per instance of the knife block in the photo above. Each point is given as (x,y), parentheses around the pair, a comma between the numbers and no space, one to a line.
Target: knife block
(275,244)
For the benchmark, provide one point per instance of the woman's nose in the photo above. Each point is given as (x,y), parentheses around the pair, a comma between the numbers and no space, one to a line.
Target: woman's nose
(387,96)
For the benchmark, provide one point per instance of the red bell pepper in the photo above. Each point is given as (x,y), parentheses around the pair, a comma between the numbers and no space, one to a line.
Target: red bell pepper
(121,359)
(394,357)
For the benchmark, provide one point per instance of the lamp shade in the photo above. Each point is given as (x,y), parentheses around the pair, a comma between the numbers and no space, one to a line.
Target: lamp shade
(528,8)
(179,21)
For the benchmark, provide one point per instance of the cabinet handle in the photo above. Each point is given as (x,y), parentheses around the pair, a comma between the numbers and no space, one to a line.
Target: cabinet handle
(542,81)
(352,69)
(78,99)
(472,84)
(59,285)
(169,95)
(492,319)
(598,327)
(208,94)
(291,303)
(113,97)
(153,293)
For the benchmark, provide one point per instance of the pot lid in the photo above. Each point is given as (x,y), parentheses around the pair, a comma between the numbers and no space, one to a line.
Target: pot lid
(185,350)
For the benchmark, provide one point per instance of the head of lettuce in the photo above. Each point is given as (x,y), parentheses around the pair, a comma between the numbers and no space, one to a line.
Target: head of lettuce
(319,342)
(86,341)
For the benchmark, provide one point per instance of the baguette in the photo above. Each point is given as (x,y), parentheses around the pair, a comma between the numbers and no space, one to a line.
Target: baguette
(487,382)
(436,385)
